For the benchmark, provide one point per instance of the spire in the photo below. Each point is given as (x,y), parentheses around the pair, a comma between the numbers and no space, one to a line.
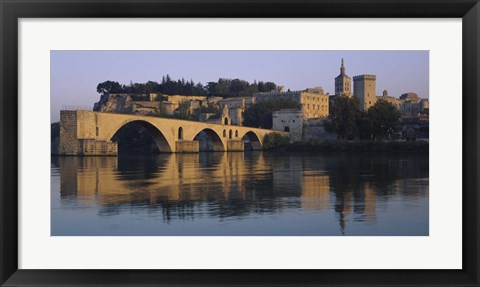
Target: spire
(342,69)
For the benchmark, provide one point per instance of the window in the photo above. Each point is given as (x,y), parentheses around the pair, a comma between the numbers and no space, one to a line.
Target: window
(224,133)
(236,134)
(96,132)
(230,134)
(180,133)
(286,129)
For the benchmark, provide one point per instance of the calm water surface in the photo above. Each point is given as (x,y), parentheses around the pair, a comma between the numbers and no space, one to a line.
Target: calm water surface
(251,193)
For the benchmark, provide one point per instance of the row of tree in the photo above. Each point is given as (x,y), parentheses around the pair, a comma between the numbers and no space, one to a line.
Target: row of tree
(227,88)
(381,121)
(223,87)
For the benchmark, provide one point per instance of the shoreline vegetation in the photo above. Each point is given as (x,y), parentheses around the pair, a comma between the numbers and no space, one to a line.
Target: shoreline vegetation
(281,143)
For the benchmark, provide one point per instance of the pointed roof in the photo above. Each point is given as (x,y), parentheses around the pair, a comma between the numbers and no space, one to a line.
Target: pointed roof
(342,71)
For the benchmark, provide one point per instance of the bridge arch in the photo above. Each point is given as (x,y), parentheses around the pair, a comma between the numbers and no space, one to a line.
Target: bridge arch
(252,141)
(140,132)
(209,140)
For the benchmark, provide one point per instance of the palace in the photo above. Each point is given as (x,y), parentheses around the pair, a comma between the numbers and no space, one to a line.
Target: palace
(314,102)
(364,88)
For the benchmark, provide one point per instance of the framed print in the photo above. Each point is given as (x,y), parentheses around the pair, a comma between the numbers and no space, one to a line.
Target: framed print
(239,143)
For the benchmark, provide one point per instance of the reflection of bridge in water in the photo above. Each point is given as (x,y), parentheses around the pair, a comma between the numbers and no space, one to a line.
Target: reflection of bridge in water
(94,133)
(239,184)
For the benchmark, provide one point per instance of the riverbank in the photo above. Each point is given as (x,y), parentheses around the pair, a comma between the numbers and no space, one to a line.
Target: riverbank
(352,146)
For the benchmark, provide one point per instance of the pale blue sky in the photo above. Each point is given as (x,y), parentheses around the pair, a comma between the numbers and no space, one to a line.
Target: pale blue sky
(75,74)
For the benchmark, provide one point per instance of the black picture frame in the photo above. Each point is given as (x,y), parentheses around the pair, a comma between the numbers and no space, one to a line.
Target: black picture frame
(11,11)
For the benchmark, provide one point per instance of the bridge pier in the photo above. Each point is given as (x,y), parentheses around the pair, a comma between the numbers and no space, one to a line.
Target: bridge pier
(235,145)
(256,145)
(72,144)
(185,146)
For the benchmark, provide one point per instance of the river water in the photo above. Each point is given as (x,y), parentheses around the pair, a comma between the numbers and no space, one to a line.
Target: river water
(251,193)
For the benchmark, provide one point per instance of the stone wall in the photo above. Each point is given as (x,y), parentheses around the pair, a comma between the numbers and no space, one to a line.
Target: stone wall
(75,123)
(86,125)
(68,133)
(146,108)
(95,147)
(290,121)
(235,145)
(314,130)
(317,133)
(184,146)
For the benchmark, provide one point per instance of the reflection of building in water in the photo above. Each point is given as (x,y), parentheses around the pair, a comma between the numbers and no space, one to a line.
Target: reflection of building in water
(315,190)
(359,204)
(343,207)
(365,203)
(287,172)
(222,185)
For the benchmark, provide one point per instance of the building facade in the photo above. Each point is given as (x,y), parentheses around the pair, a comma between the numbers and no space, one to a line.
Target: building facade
(314,103)
(343,83)
(289,120)
(364,88)
(236,106)
(392,100)
(413,105)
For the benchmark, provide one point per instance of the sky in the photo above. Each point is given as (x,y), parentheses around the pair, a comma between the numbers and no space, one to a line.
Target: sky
(76,74)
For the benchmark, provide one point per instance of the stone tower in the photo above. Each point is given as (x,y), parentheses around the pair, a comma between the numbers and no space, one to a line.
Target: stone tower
(364,89)
(225,116)
(343,86)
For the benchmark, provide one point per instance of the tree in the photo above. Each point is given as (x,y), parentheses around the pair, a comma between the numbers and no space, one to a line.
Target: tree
(183,110)
(344,117)
(108,87)
(237,86)
(151,87)
(261,87)
(260,114)
(384,119)
(223,87)
(269,86)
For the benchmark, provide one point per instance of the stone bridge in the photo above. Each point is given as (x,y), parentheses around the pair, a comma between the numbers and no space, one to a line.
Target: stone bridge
(84,132)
